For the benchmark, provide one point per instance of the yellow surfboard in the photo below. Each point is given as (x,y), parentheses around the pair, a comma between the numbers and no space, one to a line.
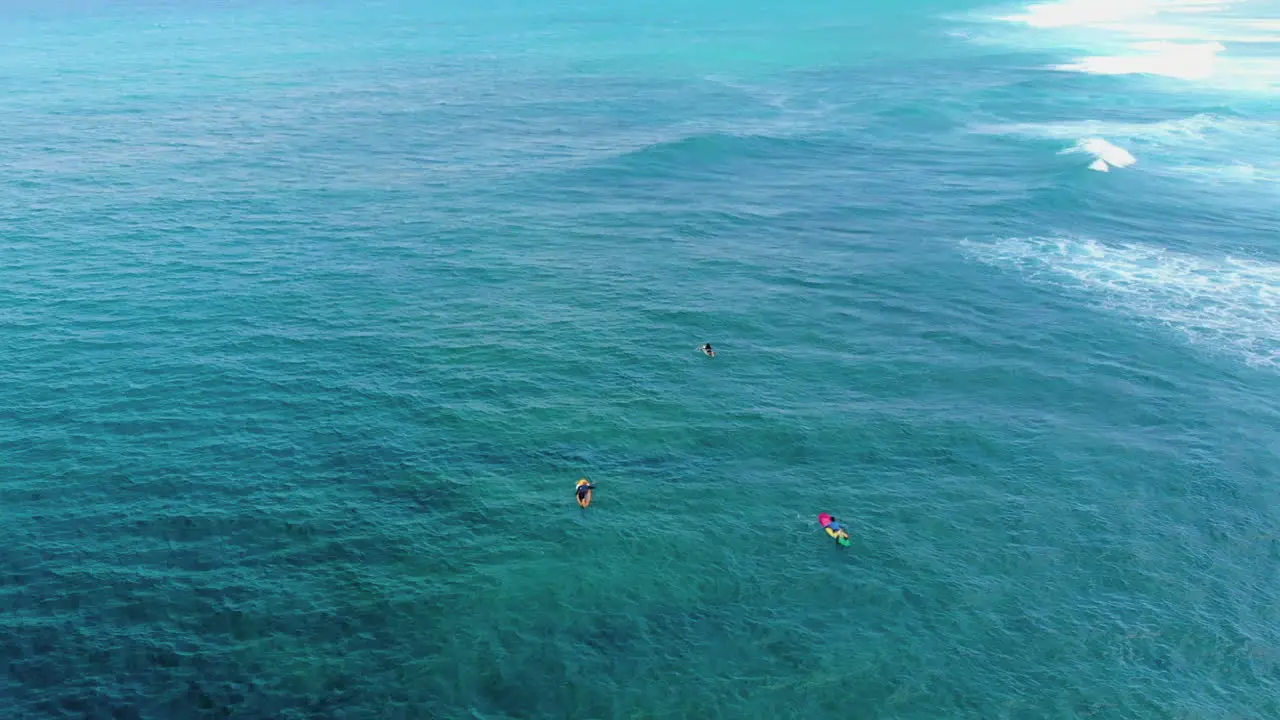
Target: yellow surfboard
(585,500)
(841,536)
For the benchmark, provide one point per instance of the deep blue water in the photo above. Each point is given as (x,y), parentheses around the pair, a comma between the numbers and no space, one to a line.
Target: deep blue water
(312,313)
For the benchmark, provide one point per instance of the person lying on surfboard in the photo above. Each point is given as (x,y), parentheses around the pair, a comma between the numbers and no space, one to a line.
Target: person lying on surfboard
(707,349)
(834,528)
(838,529)
(583,490)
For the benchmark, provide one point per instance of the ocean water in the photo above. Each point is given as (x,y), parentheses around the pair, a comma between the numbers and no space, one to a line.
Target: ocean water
(313,312)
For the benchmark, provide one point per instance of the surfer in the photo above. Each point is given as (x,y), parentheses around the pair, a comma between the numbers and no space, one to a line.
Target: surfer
(707,349)
(838,529)
(583,489)
(834,528)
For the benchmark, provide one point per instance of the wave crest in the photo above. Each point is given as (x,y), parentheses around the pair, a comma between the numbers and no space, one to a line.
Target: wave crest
(1105,154)
(1202,41)
(1225,303)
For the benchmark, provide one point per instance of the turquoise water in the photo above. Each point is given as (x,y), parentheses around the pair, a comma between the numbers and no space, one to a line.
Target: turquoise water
(312,314)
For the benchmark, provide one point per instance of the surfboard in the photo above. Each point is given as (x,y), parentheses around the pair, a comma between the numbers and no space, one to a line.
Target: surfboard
(843,538)
(583,501)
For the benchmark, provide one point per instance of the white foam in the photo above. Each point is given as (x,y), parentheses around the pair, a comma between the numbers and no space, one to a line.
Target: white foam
(1241,173)
(1202,147)
(1223,30)
(1076,13)
(1202,41)
(1185,61)
(1104,153)
(1106,13)
(1198,129)
(1223,303)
